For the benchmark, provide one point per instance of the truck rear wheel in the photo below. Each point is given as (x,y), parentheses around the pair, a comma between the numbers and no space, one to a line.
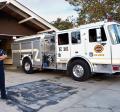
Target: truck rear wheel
(27,66)
(79,70)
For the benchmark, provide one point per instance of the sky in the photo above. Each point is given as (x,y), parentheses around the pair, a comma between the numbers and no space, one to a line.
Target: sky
(50,9)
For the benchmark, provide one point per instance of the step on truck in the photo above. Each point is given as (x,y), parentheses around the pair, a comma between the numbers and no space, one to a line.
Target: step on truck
(91,48)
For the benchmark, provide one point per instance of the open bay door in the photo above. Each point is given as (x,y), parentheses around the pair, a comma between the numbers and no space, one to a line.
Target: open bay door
(5,43)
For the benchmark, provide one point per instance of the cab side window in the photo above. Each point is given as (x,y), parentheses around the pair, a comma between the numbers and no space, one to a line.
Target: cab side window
(93,35)
(63,39)
(75,37)
(103,35)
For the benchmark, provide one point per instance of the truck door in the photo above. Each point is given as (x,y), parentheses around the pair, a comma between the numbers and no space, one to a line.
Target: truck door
(98,51)
(63,48)
(77,46)
(114,31)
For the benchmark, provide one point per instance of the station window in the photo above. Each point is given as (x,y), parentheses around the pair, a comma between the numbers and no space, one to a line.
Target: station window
(75,37)
(93,35)
(63,39)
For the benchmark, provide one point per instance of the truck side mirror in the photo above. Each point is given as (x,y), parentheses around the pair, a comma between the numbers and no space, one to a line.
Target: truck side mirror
(98,35)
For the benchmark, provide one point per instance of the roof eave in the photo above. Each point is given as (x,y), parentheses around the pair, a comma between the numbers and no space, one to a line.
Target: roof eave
(31,13)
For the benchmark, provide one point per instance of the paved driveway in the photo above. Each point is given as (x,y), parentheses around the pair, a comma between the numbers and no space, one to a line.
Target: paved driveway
(51,91)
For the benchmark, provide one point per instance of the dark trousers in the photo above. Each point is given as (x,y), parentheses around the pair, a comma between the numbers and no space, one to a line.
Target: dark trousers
(2,81)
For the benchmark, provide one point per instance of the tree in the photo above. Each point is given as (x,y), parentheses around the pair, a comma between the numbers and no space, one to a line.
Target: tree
(96,10)
(62,24)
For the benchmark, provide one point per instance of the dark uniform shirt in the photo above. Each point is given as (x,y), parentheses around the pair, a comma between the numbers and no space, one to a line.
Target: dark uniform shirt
(2,52)
(2,76)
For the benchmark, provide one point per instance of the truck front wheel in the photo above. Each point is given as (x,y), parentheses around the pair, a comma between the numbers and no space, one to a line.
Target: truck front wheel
(27,66)
(79,70)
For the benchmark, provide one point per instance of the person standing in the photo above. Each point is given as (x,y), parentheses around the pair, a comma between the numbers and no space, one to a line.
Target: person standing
(3,55)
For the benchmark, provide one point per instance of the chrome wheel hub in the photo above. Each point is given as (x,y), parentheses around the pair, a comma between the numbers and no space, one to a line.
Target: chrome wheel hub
(78,71)
(27,66)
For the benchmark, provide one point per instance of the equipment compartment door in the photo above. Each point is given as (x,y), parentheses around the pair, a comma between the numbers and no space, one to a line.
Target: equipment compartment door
(49,58)
(36,51)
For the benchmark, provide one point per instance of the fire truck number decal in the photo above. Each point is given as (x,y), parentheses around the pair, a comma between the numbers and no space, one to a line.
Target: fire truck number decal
(63,48)
(98,48)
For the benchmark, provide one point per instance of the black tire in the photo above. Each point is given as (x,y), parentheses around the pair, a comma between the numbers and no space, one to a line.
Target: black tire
(27,66)
(79,70)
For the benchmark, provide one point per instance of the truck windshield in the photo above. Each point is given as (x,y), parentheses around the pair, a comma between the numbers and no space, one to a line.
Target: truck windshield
(114,31)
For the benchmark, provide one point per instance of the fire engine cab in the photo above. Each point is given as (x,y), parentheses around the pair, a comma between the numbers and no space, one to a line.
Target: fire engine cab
(91,48)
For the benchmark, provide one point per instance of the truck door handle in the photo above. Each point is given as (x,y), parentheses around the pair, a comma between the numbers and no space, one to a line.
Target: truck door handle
(103,44)
(76,51)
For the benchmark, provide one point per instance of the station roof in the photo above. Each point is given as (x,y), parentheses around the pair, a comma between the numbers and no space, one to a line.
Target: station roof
(25,16)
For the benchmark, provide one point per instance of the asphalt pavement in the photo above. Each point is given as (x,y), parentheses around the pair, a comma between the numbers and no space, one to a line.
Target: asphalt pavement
(54,91)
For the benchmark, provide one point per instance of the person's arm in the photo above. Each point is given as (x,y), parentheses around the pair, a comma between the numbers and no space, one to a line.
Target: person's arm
(3,57)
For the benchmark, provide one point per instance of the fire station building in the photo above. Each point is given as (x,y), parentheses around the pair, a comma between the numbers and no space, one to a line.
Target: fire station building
(16,20)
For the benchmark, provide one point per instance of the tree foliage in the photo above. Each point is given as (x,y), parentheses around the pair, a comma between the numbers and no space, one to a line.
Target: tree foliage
(96,10)
(62,24)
